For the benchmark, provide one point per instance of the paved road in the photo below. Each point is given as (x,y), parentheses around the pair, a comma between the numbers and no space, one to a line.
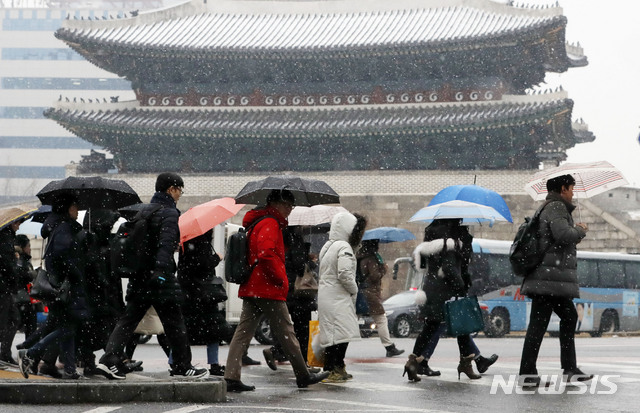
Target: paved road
(379,387)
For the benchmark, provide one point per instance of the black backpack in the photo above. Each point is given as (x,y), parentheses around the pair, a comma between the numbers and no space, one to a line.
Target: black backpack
(237,269)
(526,254)
(131,247)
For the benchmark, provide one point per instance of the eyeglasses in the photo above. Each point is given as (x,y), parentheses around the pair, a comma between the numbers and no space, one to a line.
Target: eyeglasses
(179,189)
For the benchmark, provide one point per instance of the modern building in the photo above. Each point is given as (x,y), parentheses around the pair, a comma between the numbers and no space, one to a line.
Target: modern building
(259,86)
(36,70)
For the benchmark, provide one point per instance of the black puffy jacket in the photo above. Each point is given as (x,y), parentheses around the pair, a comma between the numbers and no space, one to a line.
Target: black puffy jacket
(165,238)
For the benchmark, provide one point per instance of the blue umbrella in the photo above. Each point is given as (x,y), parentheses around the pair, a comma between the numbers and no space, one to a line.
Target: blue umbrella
(475,194)
(470,213)
(388,234)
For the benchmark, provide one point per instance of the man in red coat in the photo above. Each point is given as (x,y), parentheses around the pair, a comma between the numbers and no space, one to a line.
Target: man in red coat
(266,292)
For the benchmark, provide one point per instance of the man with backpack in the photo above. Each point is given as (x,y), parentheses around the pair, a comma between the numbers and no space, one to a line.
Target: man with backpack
(155,285)
(553,284)
(265,292)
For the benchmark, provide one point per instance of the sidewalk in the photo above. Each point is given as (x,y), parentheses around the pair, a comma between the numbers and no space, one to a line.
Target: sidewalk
(145,387)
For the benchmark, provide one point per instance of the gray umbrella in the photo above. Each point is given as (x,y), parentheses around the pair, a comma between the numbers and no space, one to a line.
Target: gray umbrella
(307,192)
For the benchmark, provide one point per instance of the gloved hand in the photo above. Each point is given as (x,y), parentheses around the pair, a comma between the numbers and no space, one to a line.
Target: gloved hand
(157,278)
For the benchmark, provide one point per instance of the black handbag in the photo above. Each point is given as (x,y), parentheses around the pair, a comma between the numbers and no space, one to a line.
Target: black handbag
(463,316)
(212,290)
(43,289)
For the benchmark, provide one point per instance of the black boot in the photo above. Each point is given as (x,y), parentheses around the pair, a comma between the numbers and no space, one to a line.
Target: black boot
(236,386)
(425,370)
(312,379)
(393,351)
(483,363)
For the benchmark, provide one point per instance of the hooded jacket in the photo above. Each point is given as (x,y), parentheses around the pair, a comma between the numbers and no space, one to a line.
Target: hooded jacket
(266,250)
(337,288)
(557,275)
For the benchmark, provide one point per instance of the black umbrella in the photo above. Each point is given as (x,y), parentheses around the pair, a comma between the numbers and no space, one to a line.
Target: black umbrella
(307,192)
(130,211)
(92,192)
(40,214)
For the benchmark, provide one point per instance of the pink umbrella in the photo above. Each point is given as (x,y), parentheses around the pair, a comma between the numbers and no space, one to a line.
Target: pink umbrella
(201,218)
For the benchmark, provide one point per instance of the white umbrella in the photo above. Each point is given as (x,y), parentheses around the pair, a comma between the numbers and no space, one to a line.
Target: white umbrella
(315,215)
(470,213)
(592,178)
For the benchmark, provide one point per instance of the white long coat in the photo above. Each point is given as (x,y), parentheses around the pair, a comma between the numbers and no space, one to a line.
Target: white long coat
(337,288)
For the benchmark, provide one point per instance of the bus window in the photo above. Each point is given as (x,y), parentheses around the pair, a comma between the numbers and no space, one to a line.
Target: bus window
(632,271)
(500,274)
(611,274)
(587,273)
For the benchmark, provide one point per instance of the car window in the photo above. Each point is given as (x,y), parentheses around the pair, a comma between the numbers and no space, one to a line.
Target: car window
(402,299)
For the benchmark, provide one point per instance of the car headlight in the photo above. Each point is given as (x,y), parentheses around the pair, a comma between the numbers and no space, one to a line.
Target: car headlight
(388,312)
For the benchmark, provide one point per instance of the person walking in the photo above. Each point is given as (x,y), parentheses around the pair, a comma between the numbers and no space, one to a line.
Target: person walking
(103,288)
(443,258)
(373,268)
(64,259)
(206,322)
(26,274)
(265,292)
(10,221)
(337,292)
(554,284)
(156,285)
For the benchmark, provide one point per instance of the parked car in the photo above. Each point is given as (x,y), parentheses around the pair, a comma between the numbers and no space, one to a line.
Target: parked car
(403,314)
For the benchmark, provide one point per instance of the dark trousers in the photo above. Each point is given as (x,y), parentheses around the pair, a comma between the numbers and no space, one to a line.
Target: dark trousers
(541,309)
(334,356)
(430,336)
(170,315)
(57,335)
(9,319)
(300,315)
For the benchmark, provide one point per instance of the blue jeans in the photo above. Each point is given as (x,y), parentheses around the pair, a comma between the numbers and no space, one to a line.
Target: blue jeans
(62,333)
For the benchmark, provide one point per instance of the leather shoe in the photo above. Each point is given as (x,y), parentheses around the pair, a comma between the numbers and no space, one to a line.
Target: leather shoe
(268,357)
(483,363)
(312,379)
(236,386)
(578,374)
(248,361)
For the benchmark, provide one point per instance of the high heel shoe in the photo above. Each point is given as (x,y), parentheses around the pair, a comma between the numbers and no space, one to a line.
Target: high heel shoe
(466,367)
(411,367)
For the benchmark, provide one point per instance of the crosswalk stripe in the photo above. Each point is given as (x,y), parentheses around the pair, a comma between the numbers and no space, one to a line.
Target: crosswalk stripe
(188,409)
(386,407)
(105,409)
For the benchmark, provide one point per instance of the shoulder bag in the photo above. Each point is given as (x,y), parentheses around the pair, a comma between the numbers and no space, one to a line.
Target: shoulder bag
(463,316)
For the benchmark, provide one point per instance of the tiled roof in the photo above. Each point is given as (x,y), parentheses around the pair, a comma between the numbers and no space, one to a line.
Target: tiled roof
(256,122)
(318,28)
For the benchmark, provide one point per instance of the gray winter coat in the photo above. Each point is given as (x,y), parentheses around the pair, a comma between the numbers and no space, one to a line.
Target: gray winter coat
(557,275)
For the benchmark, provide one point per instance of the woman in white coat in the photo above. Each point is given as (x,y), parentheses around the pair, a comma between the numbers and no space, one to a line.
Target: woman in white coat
(337,292)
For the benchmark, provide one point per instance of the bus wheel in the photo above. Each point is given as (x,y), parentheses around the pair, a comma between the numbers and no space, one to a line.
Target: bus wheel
(499,323)
(607,323)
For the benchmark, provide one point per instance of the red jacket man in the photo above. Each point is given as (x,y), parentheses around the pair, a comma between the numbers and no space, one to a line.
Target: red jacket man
(266,248)
(265,293)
